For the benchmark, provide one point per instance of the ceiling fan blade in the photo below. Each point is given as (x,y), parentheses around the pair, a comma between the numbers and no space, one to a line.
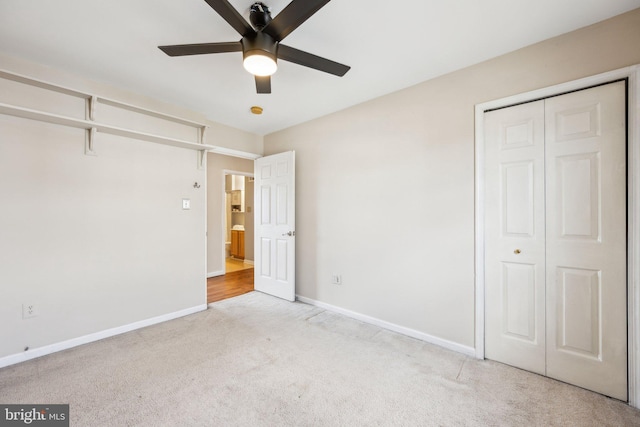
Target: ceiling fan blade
(201,48)
(231,15)
(291,17)
(288,53)
(263,84)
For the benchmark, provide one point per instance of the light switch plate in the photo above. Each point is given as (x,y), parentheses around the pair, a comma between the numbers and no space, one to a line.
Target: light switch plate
(186,203)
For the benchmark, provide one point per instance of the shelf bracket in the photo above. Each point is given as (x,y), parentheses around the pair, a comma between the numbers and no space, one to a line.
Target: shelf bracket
(89,144)
(201,135)
(202,155)
(91,103)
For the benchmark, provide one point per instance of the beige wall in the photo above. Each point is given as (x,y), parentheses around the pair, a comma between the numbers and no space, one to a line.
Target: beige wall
(217,164)
(101,242)
(385,190)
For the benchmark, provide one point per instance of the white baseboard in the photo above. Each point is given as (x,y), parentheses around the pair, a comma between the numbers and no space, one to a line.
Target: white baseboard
(74,342)
(215,274)
(450,345)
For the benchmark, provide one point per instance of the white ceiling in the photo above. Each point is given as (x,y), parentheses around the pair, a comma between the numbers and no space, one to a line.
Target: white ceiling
(389,45)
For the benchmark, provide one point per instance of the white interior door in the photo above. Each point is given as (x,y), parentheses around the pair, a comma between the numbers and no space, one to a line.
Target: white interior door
(586,239)
(275,247)
(555,245)
(515,243)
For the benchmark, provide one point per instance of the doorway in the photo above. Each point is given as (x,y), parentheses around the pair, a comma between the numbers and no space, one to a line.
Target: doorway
(237,238)
(237,276)
(238,222)
(275,230)
(229,276)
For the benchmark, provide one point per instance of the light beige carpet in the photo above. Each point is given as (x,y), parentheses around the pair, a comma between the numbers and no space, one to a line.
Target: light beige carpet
(255,360)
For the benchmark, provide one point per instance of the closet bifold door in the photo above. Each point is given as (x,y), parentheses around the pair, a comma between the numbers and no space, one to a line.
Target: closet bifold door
(585,145)
(555,238)
(514,236)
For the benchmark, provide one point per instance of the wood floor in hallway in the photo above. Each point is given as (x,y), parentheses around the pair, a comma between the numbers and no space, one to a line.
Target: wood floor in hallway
(230,285)
(232,264)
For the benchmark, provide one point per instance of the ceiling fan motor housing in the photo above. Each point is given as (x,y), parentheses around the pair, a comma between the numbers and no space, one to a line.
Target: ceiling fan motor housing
(260,15)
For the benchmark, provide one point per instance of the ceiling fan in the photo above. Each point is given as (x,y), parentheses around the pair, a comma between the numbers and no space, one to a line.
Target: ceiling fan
(260,44)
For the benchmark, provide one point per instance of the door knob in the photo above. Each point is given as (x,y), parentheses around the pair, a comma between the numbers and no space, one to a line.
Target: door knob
(517,251)
(291,233)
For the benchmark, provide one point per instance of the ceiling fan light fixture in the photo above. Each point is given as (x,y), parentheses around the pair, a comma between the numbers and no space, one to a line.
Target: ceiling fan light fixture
(260,52)
(260,43)
(260,64)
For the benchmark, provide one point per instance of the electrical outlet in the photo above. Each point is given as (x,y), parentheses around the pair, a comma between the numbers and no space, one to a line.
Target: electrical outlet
(29,311)
(336,279)
(186,204)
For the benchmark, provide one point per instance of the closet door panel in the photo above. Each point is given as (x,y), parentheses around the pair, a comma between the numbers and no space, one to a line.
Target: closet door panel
(514,232)
(585,157)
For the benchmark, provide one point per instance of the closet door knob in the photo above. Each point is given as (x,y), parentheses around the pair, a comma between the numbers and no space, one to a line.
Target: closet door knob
(517,251)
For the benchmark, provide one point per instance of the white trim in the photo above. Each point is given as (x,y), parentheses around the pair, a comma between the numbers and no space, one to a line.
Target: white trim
(74,342)
(235,153)
(234,172)
(479,224)
(469,351)
(633,199)
(205,220)
(215,274)
(223,224)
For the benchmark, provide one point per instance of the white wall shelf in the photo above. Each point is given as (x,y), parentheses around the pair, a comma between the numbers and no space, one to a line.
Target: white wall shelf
(148,112)
(42,116)
(93,126)
(8,75)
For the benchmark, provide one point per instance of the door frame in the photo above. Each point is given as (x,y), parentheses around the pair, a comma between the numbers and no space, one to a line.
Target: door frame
(632,75)
(226,172)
